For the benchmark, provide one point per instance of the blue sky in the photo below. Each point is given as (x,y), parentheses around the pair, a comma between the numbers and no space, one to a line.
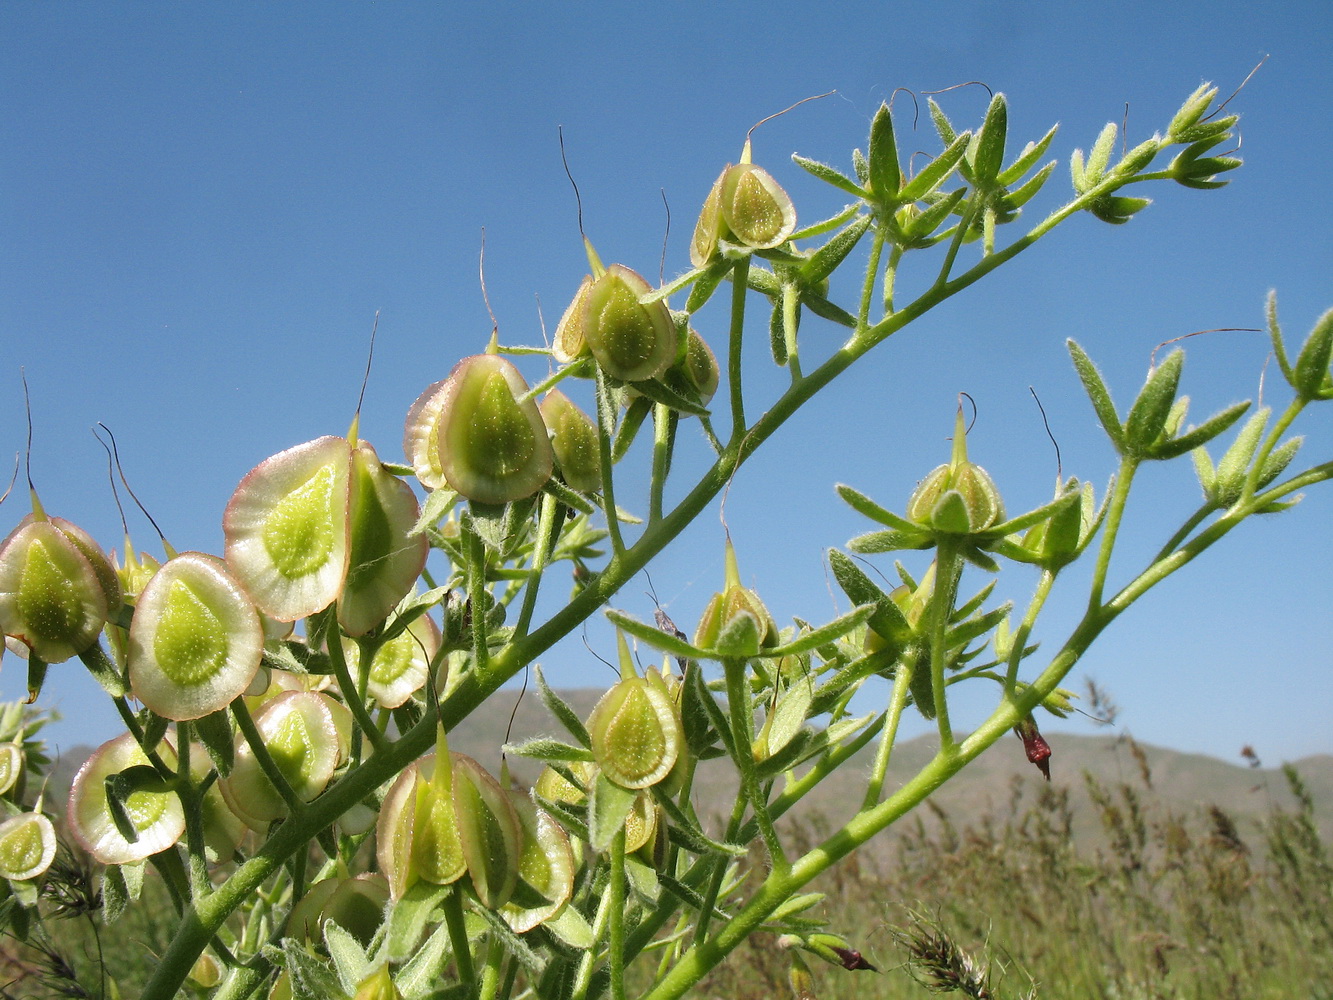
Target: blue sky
(204,206)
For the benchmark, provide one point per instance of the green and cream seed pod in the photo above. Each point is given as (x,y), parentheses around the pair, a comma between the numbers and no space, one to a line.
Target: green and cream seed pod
(472,434)
(322,521)
(302,735)
(490,832)
(195,639)
(546,863)
(722,617)
(635,728)
(631,339)
(11,765)
(156,814)
(746,207)
(417,836)
(641,823)
(569,344)
(56,587)
(27,846)
(400,666)
(574,441)
(958,498)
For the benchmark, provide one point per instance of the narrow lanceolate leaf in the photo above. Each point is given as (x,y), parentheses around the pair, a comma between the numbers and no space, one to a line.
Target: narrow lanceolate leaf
(51,599)
(1147,418)
(385,558)
(885,174)
(195,639)
(1099,395)
(286,529)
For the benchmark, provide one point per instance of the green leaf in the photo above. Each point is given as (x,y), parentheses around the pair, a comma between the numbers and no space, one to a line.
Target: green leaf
(1146,422)
(410,915)
(349,958)
(835,629)
(826,173)
(1098,395)
(885,173)
(889,541)
(546,749)
(1310,376)
(1202,434)
(862,504)
(558,707)
(934,173)
(989,157)
(827,258)
(427,964)
(571,927)
(655,637)
(941,122)
(311,979)
(1032,152)
(609,806)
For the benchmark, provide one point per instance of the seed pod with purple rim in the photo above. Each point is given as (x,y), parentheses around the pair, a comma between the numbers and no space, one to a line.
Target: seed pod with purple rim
(635,729)
(156,815)
(27,846)
(472,434)
(195,639)
(417,836)
(56,587)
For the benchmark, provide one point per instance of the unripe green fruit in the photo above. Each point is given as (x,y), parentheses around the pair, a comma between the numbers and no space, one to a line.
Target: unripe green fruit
(574,442)
(632,340)
(636,733)
(745,206)
(27,846)
(470,432)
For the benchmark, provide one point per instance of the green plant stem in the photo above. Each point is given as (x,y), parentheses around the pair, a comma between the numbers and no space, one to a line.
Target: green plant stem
(475,551)
(490,972)
(741,711)
(1183,532)
(616,953)
(902,686)
(891,277)
(948,571)
(352,693)
(588,961)
(606,428)
(791,318)
(1114,514)
(716,867)
(1020,636)
(453,919)
(202,920)
(739,290)
(541,551)
(871,276)
(263,758)
(663,435)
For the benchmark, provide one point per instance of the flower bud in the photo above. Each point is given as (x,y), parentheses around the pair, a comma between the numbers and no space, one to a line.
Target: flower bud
(470,432)
(725,615)
(635,729)
(959,498)
(56,587)
(27,846)
(195,639)
(574,442)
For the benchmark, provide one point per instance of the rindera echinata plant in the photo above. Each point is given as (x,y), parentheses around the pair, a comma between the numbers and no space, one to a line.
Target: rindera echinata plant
(286,768)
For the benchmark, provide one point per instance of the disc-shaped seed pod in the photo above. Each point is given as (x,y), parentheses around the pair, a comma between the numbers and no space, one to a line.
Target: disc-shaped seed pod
(27,846)
(636,733)
(385,558)
(417,836)
(489,447)
(401,666)
(546,863)
(755,209)
(709,226)
(489,830)
(11,765)
(632,340)
(569,343)
(300,733)
(286,529)
(156,814)
(56,588)
(195,639)
(574,442)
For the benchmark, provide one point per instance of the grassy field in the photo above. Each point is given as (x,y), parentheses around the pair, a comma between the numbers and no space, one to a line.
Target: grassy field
(1104,887)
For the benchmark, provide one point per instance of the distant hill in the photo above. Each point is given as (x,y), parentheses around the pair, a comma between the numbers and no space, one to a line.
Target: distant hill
(998,781)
